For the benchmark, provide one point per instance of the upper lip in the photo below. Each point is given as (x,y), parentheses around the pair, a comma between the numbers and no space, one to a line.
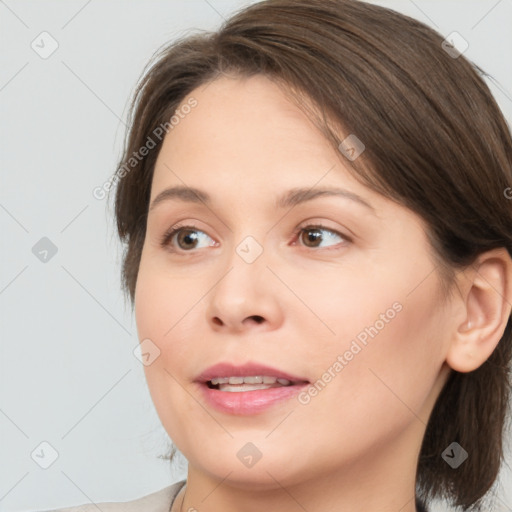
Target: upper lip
(226,369)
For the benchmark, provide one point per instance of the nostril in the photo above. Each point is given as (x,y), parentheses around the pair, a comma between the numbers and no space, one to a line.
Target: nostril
(256,318)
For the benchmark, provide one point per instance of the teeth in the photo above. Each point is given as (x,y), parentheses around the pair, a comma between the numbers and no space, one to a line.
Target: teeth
(253,380)
(219,380)
(244,387)
(250,380)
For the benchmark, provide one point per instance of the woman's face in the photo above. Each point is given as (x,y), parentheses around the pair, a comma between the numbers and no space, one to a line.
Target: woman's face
(352,306)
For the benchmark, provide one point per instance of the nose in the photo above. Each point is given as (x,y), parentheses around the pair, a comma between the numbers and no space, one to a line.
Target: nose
(245,298)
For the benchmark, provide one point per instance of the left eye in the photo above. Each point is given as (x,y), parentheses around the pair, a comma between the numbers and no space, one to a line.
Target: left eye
(311,235)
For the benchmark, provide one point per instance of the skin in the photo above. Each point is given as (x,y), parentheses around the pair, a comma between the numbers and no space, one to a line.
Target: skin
(355,445)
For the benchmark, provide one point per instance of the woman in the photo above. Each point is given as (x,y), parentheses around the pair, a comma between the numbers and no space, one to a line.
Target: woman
(315,202)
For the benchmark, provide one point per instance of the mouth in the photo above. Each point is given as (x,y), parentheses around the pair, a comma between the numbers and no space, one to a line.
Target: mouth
(248,389)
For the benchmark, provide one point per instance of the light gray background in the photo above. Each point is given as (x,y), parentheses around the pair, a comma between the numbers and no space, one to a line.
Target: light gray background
(68,375)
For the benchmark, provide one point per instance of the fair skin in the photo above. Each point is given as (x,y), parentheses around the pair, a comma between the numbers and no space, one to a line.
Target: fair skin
(355,445)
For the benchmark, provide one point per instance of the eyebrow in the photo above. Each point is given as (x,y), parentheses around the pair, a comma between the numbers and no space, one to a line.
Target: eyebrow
(290,199)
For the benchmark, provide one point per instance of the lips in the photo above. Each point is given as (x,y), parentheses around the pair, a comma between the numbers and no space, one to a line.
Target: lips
(247,399)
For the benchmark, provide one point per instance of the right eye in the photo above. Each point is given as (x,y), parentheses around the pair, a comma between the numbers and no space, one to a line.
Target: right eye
(186,236)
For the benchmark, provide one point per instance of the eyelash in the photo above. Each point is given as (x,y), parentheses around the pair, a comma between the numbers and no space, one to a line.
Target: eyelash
(169,234)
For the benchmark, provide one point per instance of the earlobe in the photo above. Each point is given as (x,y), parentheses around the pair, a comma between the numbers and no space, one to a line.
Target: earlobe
(488,299)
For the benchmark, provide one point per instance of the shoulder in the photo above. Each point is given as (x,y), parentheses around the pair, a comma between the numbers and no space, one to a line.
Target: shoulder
(159,501)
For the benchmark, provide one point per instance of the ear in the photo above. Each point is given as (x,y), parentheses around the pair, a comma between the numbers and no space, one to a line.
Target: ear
(487,295)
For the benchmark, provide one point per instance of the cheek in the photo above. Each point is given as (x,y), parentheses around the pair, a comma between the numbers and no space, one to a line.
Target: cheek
(169,311)
(161,307)
(385,317)
(163,300)
(386,352)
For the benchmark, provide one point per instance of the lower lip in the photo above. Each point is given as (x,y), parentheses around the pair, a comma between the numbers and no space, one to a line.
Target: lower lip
(249,402)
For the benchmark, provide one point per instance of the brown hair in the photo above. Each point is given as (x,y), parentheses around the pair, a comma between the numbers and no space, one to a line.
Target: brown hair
(436,142)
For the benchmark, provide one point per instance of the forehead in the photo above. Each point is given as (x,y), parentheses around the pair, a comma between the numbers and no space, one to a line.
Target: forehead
(257,94)
(244,129)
